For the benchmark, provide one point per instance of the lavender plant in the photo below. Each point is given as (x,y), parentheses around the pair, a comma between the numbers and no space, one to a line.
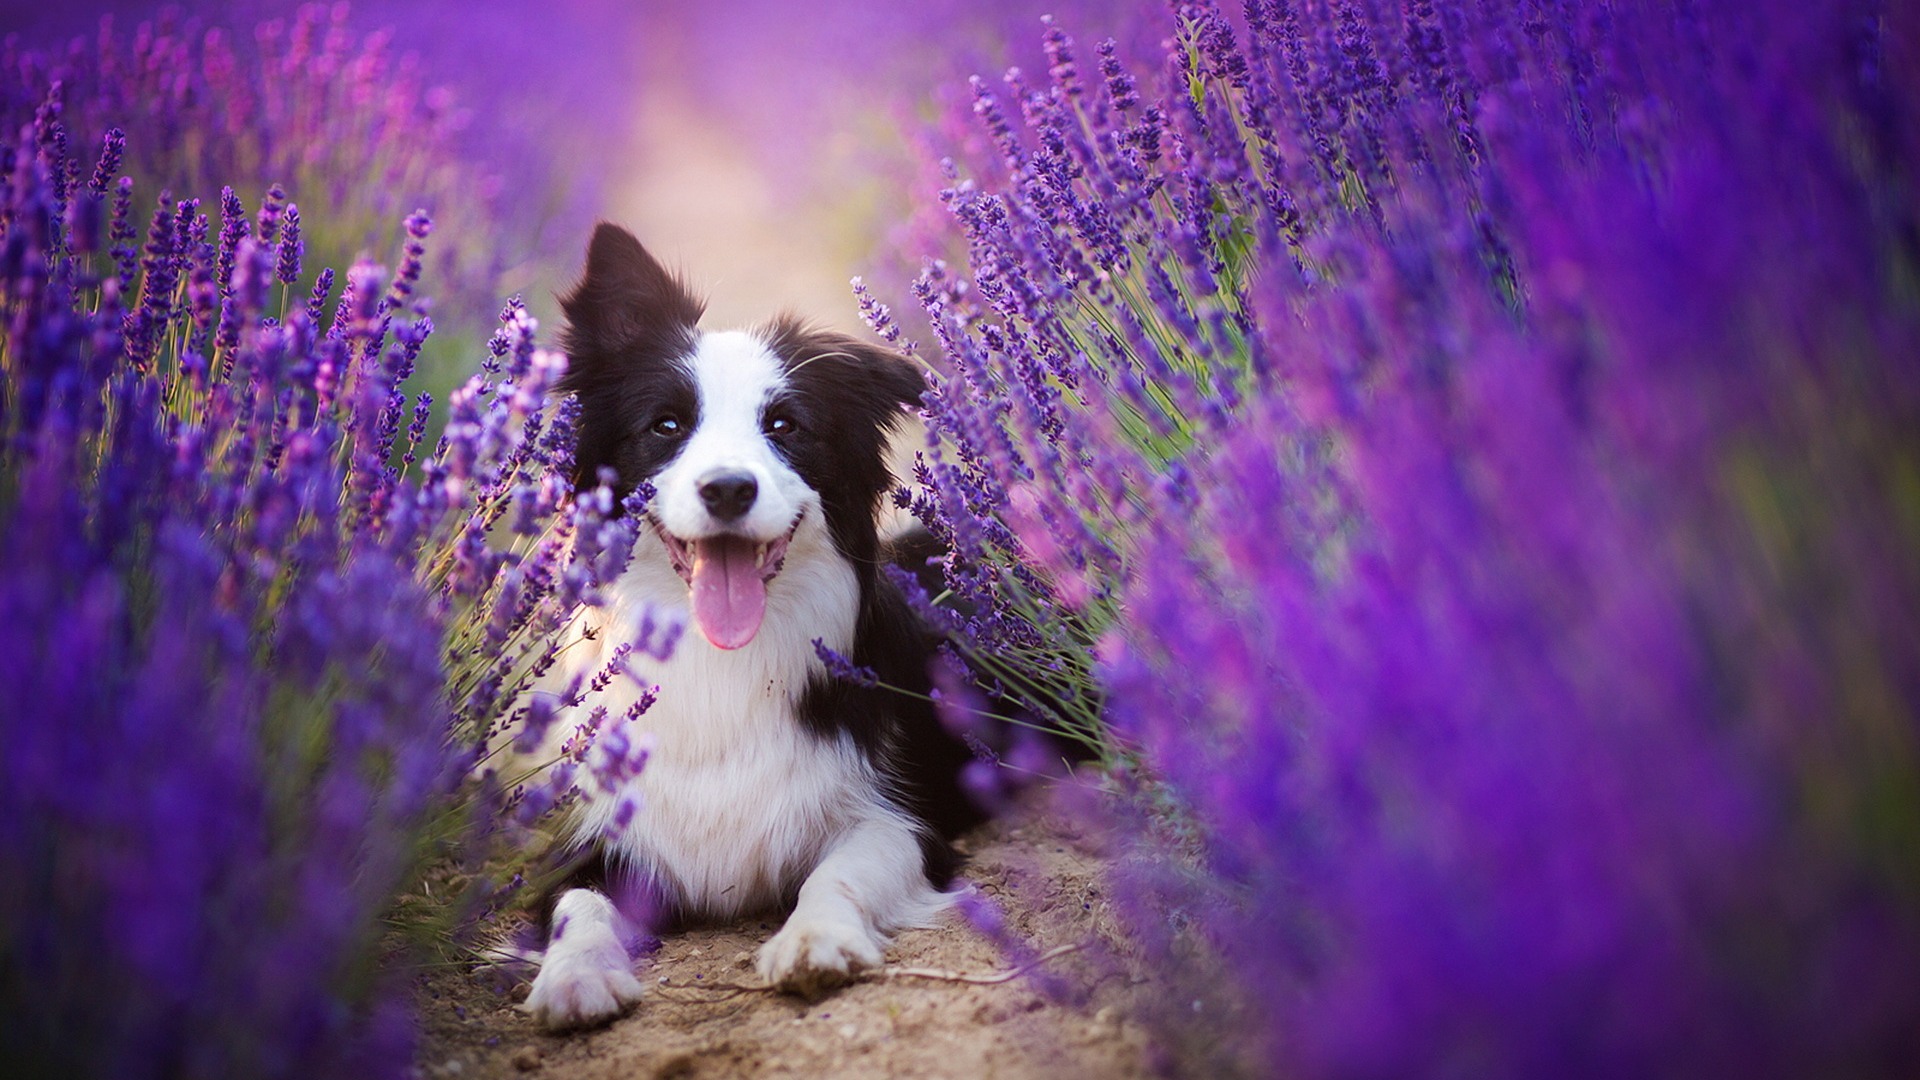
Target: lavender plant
(343,119)
(1103,325)
(1460,453)
(262,644)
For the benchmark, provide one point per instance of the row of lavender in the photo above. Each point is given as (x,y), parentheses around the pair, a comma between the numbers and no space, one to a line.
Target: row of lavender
(259,634)
(346,118)
(1464,457)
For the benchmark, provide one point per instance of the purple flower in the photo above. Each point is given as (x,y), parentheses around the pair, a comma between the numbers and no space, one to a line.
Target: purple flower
(291,248)
(419,226)
(112,145)
(844,669)
(1393,511)
(276,654)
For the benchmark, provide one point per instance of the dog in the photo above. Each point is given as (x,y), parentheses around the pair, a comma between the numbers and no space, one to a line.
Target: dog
(771,782)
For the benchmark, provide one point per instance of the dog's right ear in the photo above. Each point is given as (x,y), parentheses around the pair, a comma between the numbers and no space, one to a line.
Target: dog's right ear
(627,315)
(625,300)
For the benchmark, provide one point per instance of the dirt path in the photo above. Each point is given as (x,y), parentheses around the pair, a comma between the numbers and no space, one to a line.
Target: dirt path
(880,1027)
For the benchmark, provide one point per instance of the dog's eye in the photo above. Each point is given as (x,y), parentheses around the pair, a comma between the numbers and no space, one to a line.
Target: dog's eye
(668,426)
(780,425)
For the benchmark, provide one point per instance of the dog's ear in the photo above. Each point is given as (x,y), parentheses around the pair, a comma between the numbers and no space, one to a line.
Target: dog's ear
(899,377)
(625,299)
(856,372)
(628,315)
(878,370)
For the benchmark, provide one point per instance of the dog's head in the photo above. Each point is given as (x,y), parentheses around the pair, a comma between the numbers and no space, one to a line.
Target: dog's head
(758,444)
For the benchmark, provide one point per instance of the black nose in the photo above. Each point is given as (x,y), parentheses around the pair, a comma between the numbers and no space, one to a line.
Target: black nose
(728,493)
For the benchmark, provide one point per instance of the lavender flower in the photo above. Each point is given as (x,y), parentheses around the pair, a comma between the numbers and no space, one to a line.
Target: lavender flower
(844,669)
(278,658)
(310,108)
(112,145)
(292,248)
(1406,504)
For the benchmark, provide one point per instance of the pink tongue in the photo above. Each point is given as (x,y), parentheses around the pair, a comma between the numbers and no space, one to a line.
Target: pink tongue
(729,597)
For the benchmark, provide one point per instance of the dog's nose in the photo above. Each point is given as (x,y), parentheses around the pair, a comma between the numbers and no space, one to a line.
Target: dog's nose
(728,493)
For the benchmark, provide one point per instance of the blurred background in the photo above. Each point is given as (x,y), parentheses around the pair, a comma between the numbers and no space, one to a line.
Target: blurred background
(759,146)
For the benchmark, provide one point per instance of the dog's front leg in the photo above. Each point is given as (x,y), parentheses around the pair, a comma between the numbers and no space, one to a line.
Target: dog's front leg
(871,883)
(586,976)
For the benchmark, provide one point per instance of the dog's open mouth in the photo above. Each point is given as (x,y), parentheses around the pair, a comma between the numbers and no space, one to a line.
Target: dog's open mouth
(728,577)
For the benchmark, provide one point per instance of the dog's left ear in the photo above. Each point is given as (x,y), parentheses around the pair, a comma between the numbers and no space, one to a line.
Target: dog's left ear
(890,372)
(854,371)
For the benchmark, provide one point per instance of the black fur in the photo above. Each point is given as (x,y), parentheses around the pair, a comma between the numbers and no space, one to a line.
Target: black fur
(628,320)
(847,396)
(903,734)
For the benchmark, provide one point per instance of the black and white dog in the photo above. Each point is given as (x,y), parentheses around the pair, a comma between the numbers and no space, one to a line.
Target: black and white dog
(770,781)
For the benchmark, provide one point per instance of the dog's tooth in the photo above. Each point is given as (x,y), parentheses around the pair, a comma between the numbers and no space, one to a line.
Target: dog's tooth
(760,556)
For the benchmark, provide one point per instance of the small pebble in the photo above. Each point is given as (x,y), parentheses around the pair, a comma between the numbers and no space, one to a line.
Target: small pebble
(520,991)
(526,1059)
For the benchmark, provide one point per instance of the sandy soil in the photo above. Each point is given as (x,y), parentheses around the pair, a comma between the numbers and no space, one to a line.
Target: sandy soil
(891,1024)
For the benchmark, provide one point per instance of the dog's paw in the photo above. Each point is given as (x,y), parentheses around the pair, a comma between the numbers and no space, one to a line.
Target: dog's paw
(809,957)
(581,991)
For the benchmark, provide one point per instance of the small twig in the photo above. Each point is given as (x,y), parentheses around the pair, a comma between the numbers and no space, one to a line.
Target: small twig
(722,991)
(727,990)
(978,980)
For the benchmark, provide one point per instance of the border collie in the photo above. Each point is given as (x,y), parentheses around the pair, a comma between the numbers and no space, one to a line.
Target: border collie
(770,781)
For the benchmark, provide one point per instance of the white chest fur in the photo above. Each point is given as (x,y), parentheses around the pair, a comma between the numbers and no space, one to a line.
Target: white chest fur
(738,801)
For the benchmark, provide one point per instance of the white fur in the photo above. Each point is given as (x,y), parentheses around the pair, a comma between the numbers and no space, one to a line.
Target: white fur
(739,806)
(586,976)
(869,884)
(736,376)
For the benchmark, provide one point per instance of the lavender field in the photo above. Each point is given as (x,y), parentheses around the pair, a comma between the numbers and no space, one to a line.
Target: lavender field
(1453,467)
